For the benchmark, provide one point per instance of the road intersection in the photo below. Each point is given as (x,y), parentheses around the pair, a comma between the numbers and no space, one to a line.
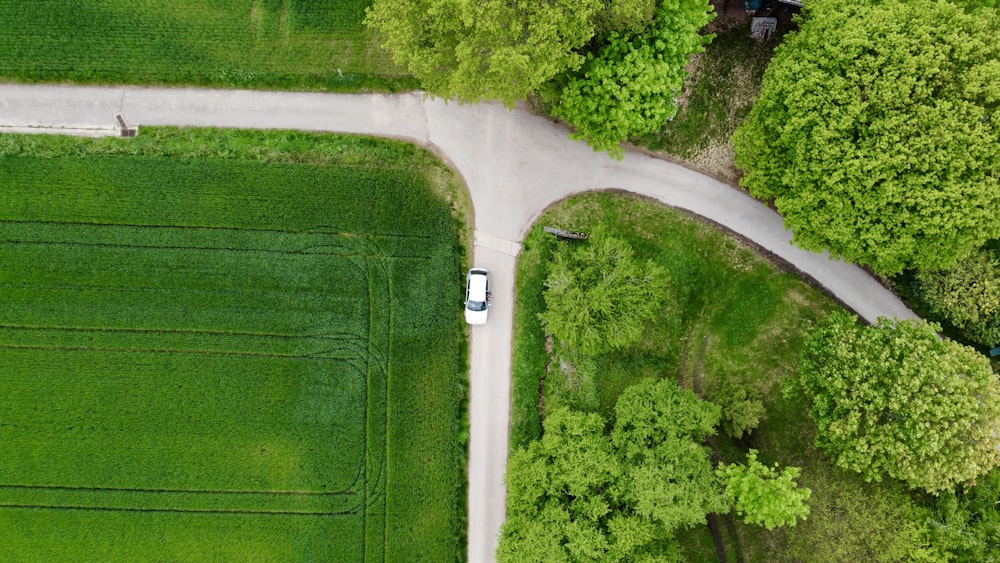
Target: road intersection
(515,165)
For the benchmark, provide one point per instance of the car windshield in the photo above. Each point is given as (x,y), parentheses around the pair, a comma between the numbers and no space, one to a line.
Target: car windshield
(476,305)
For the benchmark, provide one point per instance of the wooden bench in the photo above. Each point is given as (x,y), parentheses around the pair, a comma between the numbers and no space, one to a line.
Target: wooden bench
(566,235)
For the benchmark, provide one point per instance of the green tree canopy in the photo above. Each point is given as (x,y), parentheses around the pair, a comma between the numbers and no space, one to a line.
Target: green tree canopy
(967,522)
(877,132)
(485,49)
(895,399)
(762,495)
(598,297)
(630,85)
(578,494)
(742,409)
(967,295)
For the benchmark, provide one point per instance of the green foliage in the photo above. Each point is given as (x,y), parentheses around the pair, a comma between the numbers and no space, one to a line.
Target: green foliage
(877,132)
(711,273)
(598,297)
(761,495)
(558,491)
(578,494)
(529,357)
(850,520)
(897,400)
(658,429)
(967,522)
(742,409)
(967,295)
(300,44)
(629,87)
(718,95)
(973,5)
(185,341)
(625,15)
(489,49)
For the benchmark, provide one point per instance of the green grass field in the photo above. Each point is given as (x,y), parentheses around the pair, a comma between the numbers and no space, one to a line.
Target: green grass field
(302,44)
(226,359)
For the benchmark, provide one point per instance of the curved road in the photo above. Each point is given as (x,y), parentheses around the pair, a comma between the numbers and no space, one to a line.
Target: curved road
(515,165)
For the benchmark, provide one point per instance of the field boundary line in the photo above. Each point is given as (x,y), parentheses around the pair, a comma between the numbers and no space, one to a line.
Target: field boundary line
(179,510)
(377,407)
(331,336)
(181,491)
(318,230)
(320,356)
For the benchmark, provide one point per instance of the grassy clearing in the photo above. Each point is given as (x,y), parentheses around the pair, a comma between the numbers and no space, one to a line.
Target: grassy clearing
(736,314)
(239,359)
(724,82)
(297,44)
(737,317)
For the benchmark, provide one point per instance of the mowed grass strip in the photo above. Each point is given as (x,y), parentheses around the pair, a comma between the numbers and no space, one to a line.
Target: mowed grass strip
(267,351)
(317,44)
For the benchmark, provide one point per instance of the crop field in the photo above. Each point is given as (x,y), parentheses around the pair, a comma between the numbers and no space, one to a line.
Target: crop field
(318,44)
(225,359)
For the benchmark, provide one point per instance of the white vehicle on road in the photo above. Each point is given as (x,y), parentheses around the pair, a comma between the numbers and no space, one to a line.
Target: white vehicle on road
(477,296)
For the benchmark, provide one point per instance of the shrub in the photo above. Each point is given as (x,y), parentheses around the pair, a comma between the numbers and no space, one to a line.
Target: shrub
(598,297)
(967,295)
(742,409)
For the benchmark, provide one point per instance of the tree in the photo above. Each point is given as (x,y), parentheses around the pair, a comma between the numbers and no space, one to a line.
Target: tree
(668,477)
(558,492)
(967,522)
(850,520)
(598,296)
(763,496)
(967,295)
(896,399)
(630,85)
(578,494)
(484,49)
(626,15)
(973,5)
(877,132)
(742,409)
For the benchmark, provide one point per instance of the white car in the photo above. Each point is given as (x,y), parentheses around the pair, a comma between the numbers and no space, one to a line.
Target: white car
(477,296)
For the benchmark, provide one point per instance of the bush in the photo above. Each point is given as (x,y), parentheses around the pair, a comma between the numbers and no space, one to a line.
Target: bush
(742,409)
(598,297)
(896,399)
(764,496)
(967,295)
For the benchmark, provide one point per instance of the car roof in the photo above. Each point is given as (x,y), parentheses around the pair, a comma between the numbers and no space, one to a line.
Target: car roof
(477,285)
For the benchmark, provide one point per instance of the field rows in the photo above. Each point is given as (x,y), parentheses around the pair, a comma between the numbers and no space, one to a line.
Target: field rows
(304,504)
(239,326)
(217,194)
(285,43)
(225,359)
